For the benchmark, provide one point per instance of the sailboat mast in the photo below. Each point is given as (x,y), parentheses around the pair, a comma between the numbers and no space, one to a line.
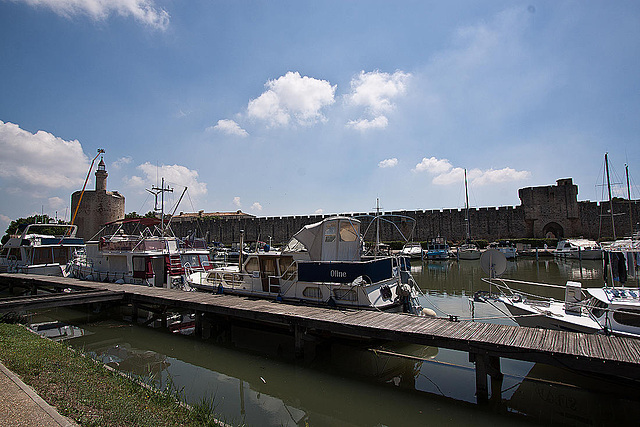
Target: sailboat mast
(466,205)
(606,164)
(375,255)
(626,169)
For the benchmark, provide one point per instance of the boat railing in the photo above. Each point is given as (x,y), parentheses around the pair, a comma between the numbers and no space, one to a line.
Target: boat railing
(502,285)
(12,263)
(188,271)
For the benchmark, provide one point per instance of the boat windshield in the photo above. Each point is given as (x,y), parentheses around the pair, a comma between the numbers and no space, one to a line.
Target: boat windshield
(294,245)
(627,316)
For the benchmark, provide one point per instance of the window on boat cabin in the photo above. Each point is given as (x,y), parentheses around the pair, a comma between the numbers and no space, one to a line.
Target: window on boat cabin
(330,233)
(598,307)
(61,254)
(312,292)
(627,317)
(42,255)
(287,267)
(205,262)
(345,294)
(347,232)
(269,266)
(141,267)
(192,259)
(252,265)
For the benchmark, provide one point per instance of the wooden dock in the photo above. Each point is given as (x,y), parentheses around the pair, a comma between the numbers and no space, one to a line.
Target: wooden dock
(486,343)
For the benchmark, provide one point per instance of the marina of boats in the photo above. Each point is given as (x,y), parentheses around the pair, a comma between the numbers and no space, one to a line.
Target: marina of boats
(327,286)
(447,288)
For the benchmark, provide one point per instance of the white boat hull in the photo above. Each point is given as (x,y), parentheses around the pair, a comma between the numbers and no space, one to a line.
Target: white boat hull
(550,318)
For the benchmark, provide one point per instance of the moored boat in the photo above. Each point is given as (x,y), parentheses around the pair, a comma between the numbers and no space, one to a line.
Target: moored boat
(144,255)
(412,250)
(468,251)
(37,251)
(578,249)
(437,250)
(507,248)
(321,264)
(612,309)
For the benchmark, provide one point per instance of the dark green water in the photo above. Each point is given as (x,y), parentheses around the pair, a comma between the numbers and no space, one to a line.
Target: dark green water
(253,381)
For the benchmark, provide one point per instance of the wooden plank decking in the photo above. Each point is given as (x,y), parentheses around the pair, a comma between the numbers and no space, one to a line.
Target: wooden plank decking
(602,354)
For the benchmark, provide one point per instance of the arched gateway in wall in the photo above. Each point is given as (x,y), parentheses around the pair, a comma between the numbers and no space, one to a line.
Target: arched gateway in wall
(553,230)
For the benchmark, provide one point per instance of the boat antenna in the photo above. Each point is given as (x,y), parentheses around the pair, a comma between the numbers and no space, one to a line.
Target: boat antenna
(176,207)
(100,151)
(155,191)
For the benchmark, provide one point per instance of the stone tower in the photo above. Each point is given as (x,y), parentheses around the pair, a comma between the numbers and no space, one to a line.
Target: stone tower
(97,207)
(552,211)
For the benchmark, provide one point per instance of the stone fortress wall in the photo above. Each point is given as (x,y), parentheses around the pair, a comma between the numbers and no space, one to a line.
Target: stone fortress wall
(546,211)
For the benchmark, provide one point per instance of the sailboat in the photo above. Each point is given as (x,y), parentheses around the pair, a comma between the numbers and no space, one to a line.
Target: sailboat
(468,250)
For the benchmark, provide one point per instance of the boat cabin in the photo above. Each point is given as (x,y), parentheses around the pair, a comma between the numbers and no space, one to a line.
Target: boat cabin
(40,252)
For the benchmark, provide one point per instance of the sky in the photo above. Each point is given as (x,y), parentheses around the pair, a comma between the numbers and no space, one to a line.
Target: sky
(284,108)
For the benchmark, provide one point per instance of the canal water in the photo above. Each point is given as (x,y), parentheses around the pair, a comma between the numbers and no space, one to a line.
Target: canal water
(252,377)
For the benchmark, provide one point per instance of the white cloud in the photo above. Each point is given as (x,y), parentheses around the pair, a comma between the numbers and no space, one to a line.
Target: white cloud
(433,165)
(57,203)
(445,174)
(388,163)
(319,211)
(236,201)
(40,160)
(362,125)
(174,175)
(5,220)
(375,90)
(144,11)
(256,207)
(229,127)
(292,98)
(135,182)
(493,176)
(121,162)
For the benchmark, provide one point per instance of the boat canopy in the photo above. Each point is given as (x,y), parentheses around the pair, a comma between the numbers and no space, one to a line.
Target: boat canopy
(332,239)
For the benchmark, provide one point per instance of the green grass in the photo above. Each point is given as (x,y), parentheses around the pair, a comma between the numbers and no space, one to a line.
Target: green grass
(85,391)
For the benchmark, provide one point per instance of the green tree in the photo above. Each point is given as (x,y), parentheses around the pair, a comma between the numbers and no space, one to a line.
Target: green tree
(135,214)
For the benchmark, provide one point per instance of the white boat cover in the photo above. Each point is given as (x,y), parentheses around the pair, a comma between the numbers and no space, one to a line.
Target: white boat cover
(332,239)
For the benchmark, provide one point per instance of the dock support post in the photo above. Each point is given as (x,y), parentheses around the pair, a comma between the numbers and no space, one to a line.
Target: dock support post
(163,318)
(198,319)
(487,365)
(134,313)
(299,343)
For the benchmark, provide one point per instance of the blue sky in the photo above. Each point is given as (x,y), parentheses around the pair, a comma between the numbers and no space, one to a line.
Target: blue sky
(303,107)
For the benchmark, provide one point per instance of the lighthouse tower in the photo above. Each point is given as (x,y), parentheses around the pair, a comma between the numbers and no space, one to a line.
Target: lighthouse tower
(97,207)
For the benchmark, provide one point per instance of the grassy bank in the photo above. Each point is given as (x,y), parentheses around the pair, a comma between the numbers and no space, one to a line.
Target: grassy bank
(85,391)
